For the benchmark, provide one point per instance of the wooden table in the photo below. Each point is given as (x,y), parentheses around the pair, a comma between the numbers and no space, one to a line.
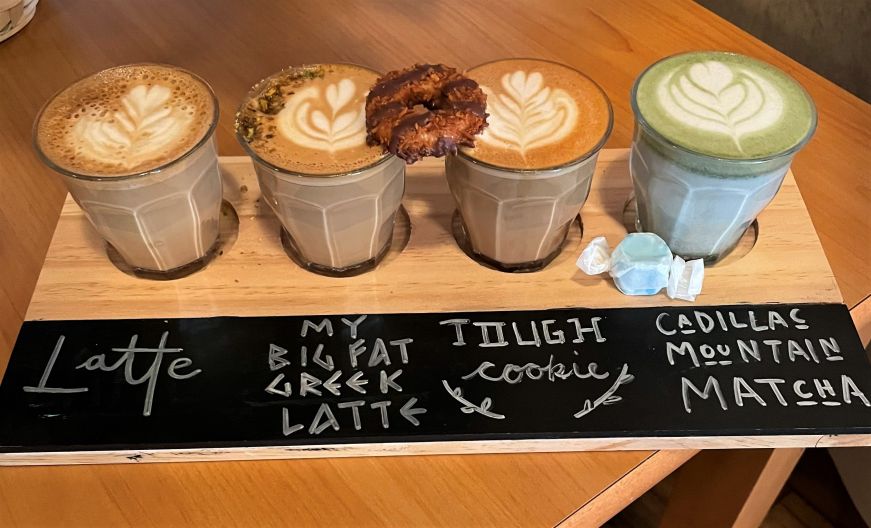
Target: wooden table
(232,44)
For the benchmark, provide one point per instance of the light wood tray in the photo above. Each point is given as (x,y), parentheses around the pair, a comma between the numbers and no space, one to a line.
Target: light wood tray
(254,276)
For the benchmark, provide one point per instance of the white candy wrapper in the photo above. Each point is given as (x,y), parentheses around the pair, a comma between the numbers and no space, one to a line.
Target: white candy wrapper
(596,257)
(685,279)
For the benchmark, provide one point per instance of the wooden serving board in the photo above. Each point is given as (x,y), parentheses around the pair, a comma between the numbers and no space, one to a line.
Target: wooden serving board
(255,357)
(431,274)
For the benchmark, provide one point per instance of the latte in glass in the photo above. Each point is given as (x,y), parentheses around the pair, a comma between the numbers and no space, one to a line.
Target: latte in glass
(336,197)
(526,179)
(714,137)
(135,145)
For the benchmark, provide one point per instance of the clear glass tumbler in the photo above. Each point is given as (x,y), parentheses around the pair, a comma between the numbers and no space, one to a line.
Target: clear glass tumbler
(338,224)
(701,204)
(517,220)
(163,221)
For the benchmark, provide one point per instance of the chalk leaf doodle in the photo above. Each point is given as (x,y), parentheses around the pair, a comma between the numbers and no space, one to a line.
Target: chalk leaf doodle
(609,397)
(528,114)
(715,97)
(146,123)
(469,407)
(339,124)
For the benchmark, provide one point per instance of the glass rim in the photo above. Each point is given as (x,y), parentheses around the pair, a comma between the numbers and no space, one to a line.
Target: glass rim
(641,121)
(213,125)
(551,168)
(385,156)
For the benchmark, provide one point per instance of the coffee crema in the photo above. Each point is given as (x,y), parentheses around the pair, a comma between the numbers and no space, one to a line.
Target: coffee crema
(542,114)
(310,119)
(724,105)
(126,120)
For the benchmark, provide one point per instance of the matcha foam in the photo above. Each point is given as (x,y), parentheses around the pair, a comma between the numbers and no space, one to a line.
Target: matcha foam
(724,105)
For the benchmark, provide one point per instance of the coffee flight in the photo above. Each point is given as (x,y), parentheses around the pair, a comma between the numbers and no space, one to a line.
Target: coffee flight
(714,137)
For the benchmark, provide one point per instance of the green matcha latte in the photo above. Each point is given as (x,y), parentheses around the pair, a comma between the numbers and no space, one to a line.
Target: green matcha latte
(714,137)
(724,105)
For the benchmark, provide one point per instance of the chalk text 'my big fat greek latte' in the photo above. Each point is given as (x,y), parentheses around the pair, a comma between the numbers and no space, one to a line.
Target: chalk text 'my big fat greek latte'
(715,135)
(528,175)
(135,145)
(305,128)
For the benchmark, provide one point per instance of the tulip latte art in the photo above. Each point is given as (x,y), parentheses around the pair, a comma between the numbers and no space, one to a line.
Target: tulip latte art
(724,105)
(542,114)
(714,138)
(311,119)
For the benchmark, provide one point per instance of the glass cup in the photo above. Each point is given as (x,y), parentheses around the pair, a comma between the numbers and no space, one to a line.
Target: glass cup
(516,214)
(163,222)
(699,204)
(340,224)
(518,220)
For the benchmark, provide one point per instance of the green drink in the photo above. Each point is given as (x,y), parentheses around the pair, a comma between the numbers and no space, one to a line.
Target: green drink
(714,137)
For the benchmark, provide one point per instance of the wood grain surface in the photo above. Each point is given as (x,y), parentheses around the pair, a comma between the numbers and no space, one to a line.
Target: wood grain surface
(254,276)
(233,44)
(749,482)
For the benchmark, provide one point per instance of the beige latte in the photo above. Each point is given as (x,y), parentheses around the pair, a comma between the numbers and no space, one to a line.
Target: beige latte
(311,119)
(542,114)
(335,196)
(108,134)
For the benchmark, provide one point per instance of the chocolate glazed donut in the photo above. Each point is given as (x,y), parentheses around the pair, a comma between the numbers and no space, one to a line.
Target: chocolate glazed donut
(425,110)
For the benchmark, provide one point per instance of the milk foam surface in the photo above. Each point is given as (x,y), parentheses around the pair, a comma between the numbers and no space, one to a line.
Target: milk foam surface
(311,119)
(126,120)
(725,105)
(542,114)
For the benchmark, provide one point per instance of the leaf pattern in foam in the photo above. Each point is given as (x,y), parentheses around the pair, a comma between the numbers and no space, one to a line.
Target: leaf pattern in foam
(339,124)
(714,97)
(528,114)
(146,124)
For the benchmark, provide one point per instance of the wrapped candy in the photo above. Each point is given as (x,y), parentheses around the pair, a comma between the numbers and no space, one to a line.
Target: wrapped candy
(642,264)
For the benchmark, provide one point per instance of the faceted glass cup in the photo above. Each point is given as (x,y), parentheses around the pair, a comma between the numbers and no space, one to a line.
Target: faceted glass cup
(517,220)
(338,224)
(699,204)
(164,221)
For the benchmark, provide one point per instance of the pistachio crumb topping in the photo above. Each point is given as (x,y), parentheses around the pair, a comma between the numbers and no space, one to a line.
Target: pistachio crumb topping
(269,98)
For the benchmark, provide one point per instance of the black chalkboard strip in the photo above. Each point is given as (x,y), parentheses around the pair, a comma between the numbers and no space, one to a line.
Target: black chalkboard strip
(400,384)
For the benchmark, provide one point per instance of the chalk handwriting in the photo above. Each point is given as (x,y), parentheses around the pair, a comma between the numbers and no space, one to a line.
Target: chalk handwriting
(668,324)
(802,392)
(469,407)
(609,397)
(327,418)
(754,351)
(127,360)
(99,362)
(513,374)
(493,333)
(43,381)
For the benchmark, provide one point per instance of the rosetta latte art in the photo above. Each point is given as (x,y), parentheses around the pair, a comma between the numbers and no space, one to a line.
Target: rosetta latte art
(341,125)
(528,114)
(145,125)
(714,97)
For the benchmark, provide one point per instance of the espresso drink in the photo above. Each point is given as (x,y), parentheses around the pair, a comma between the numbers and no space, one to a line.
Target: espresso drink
(135,146)
(715,135)
(337,197)
(529,174)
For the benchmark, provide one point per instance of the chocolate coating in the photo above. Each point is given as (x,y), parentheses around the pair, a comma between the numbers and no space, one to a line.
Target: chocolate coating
(425,110)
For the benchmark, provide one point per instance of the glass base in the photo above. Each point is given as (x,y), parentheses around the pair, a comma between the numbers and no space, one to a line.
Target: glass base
(458,228)
(228,231)
(394,246)
(740,250)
